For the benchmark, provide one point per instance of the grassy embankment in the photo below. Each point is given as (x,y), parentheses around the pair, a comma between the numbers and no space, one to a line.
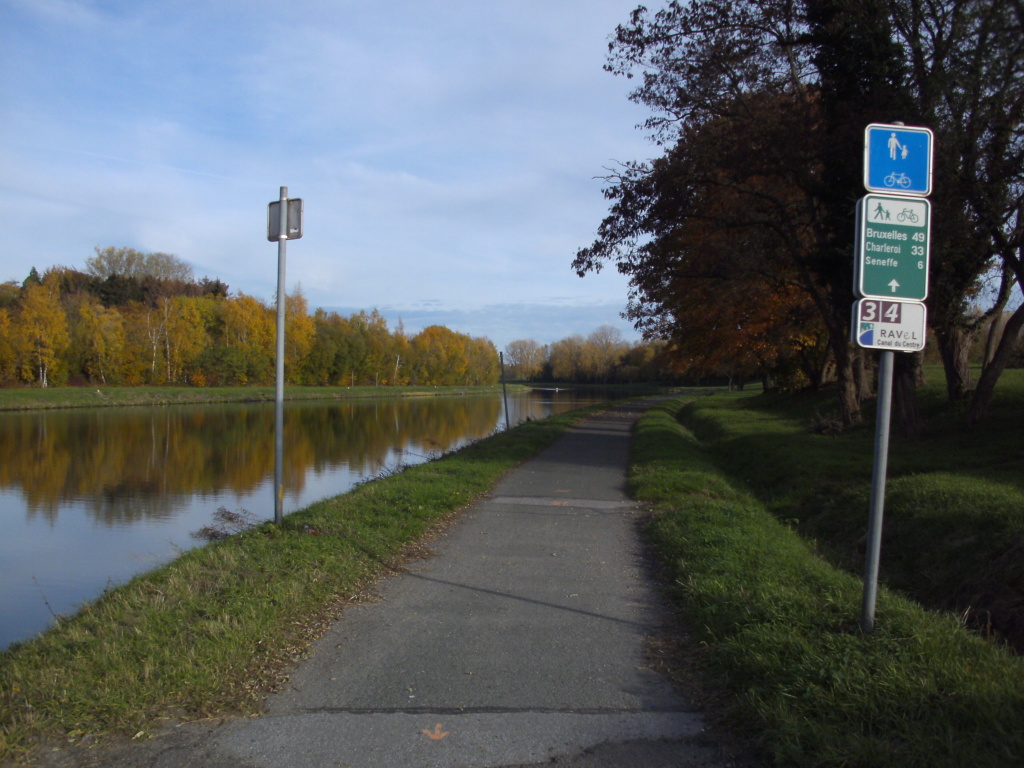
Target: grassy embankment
(759,523)
(91,397)
(214,630)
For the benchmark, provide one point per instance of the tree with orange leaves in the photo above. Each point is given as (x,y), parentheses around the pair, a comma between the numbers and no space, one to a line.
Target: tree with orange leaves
(40,332)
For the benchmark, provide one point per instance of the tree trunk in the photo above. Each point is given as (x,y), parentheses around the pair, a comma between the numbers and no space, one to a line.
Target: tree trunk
(849,403)
(820,372)
(167,352)
(837,327)
(906,413)
(861,378)
(921,379)
(954,346)
(994,336)
(990,375)
(41,367)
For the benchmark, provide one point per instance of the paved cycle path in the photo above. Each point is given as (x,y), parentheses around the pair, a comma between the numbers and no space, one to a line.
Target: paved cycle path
(520,642)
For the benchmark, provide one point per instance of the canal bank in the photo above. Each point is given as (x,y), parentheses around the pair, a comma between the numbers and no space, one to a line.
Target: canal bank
(90,497)
(55,398)
(522,641)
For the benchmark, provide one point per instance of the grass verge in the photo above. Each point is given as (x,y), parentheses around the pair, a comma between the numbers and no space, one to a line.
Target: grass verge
(213,631)
(953,537)
(780,626)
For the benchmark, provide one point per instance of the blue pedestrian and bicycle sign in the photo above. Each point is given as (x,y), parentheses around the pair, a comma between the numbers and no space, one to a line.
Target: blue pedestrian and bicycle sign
(898,160)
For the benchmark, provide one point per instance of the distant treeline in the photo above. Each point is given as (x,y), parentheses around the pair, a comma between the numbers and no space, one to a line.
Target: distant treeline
(602,357)
(135,318)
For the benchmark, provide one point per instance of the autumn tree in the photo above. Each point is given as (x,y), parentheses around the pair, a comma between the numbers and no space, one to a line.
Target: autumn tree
(399,352)
(319,366)
(439,356)
(41,332)
(139,363)
(730,85)
(248,330)
(8,357)
(568,358)
(483,367)
(719,252)
(603,357)
(525,357)
(379,347)
(98,339)
(354,347)
(645,361)
(719,284)
(744,330)
(130,263)
(300,331)
(606,349)
(184,334)
(10,292)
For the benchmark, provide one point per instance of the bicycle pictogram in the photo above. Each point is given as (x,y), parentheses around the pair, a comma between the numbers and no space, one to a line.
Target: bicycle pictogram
(907,215)
(895,178)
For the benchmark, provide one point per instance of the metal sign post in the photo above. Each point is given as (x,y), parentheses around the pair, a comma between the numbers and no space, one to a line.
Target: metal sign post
(284,222)
(504,391)
(877,505)
(891,276)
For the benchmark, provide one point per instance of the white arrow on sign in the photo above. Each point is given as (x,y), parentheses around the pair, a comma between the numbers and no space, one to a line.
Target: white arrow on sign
(894,285)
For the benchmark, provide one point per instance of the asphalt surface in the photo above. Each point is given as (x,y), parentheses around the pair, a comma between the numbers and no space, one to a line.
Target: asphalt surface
(519,642)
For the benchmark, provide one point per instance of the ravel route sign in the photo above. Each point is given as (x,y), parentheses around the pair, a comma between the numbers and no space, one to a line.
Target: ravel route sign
(898,159)
(892,247)
(896,326)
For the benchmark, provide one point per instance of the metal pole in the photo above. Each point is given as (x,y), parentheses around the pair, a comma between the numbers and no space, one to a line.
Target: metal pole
(867,611)
(279,383)
(504,392)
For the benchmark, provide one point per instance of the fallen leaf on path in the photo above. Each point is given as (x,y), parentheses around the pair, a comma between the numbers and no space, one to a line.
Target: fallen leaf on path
(437,734)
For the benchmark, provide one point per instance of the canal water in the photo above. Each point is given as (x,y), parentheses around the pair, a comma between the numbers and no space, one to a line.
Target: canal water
(91,497)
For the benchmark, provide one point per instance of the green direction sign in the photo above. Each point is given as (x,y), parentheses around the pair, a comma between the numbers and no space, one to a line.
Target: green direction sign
(893,235)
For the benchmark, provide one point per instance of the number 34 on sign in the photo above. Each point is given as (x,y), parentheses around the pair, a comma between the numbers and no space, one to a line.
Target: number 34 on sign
(898,326)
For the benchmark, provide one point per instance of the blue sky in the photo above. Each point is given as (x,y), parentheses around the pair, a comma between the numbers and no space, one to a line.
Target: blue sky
(447,153)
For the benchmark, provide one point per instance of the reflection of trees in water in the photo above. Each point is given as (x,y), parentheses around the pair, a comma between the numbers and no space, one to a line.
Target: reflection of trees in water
(362,435)
(130,464)
(123,504)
